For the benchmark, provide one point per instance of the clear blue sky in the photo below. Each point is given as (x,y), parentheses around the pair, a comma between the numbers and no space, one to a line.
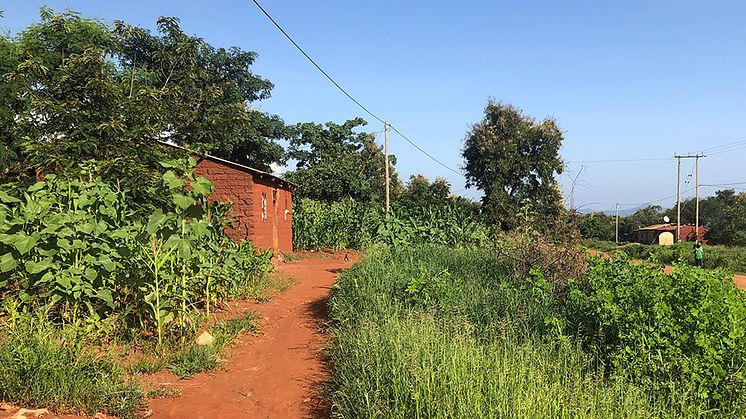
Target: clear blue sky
(624,79)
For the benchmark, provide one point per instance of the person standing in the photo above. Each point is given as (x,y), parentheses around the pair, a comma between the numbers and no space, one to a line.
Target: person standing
(698,254)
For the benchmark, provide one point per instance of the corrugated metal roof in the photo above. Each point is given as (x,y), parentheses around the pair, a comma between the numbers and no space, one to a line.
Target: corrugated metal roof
(234,164)
(658,227)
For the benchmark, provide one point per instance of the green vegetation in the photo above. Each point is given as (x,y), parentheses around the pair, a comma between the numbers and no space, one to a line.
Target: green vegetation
(57,368)
(726,257)
(333,163)
(90,268)
(77,90)
(79,248)
(681,335)
(354,225)
(456,333)
(513,159)
(730,258)
(198,358)
(723,213)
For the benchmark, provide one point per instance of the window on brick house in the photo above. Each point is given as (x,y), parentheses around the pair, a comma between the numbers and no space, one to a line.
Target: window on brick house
(274,198)
(264,206)
(286,208)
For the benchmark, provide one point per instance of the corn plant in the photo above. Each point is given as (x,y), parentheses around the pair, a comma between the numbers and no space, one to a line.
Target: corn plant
(78,246)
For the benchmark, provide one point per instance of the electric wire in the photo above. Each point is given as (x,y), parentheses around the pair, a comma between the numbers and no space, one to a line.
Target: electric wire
(341,89)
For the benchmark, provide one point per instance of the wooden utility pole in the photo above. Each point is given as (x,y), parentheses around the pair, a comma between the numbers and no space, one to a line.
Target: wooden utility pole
(696,158)
(616,230)
(386,152)
(696,189)
(678,200)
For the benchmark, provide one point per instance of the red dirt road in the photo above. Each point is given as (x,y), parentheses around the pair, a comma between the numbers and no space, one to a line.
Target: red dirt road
(278,374)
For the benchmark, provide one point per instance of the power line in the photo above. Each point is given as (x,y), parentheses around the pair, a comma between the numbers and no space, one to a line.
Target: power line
(616,160)
(715,148)
(423,151)
(341,89)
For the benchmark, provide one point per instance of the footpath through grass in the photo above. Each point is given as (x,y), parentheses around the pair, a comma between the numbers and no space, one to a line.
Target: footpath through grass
(432,332)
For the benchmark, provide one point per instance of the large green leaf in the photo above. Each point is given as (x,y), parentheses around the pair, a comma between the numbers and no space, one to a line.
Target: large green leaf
(7,199)
(182,201)
(105,295)
(155,221)
(38,267)
(7,263)
(24,243)
(90,274)
(185,249)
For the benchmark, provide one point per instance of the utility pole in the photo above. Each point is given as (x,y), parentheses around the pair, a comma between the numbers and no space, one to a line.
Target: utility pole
(616,230)
(386,152)
(678,200)
(696,158)
(696,189)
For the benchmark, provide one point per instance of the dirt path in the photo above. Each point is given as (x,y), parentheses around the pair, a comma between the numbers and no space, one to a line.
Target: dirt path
(277,374)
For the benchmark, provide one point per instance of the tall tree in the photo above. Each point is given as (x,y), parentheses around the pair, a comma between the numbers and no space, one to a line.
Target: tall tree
(334,162)
(419,191)
(83,95)
(513,159)
(204,93)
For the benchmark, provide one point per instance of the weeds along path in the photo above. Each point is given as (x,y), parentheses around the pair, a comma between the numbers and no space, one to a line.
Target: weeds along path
(278,374)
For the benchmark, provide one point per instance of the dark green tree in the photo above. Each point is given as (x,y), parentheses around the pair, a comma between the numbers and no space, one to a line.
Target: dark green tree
(73,113)
(79,95)
(419,191)
(596,225)
(333,162)
(204,94)
(731,229)
(513,159)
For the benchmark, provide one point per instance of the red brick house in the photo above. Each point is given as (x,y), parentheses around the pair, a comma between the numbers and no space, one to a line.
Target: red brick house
(649,234)
(262,202)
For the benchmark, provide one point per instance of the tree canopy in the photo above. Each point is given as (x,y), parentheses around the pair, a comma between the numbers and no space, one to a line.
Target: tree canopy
(333,162)
(513,159)
(78,94)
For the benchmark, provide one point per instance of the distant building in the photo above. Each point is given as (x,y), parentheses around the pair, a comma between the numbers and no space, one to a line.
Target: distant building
(651,234)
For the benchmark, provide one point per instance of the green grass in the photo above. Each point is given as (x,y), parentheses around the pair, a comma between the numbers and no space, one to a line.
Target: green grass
(45,367)
(433,332)
(417,366)
(726,257)
(195,358)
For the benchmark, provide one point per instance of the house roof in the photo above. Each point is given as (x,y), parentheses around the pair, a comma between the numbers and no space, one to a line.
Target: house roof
(658,227)
(668,227)
(260,174)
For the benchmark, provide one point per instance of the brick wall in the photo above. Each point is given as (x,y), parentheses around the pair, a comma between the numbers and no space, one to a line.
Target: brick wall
(246,190)
(275,229)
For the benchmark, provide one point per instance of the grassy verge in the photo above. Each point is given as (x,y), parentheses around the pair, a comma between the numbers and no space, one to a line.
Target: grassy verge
(45,367)
(65,370)
(436,332)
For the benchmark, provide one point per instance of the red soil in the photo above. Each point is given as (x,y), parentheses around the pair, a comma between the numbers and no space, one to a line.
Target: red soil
(278,374)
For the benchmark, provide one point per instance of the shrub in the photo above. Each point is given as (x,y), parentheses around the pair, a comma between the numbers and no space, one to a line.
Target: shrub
(683,333)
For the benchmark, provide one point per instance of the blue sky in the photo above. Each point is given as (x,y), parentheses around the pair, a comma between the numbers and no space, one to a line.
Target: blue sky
(624,79)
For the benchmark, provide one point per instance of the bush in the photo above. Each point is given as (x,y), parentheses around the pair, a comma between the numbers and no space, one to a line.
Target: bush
(683,333)
(622,340)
